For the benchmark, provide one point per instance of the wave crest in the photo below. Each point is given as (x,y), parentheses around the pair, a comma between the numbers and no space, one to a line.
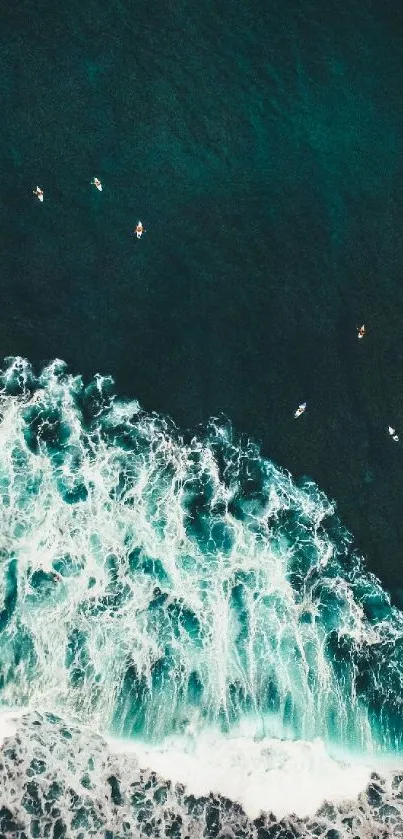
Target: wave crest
(186,583)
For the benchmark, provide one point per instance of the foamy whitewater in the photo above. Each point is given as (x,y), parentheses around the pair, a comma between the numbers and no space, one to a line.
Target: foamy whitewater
(188,645)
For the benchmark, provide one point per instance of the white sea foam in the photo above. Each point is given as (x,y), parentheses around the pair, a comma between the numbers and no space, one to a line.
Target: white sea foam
(70,777)
(262,775)
(9,719)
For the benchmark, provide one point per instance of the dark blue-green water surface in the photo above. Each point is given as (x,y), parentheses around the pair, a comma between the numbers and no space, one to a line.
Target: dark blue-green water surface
(261,145)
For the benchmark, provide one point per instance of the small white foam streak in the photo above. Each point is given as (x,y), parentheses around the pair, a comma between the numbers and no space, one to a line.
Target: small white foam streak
(9,720)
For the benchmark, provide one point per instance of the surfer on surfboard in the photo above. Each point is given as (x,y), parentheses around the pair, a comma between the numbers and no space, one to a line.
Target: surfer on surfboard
(300,410)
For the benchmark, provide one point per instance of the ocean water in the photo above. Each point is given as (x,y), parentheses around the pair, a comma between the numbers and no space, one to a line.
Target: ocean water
(187,601)
(196,640)
(261,147)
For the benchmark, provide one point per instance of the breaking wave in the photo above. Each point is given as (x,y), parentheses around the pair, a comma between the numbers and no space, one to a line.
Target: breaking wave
(178,591)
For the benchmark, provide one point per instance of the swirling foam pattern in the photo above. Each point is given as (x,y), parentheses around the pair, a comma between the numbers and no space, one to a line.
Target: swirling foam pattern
(152,585)
(194,582)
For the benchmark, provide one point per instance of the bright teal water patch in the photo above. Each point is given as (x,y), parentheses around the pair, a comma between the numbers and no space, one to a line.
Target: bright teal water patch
(150,585)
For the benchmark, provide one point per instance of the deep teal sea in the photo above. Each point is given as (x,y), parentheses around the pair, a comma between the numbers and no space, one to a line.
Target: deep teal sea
(261,145)
(189,581)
